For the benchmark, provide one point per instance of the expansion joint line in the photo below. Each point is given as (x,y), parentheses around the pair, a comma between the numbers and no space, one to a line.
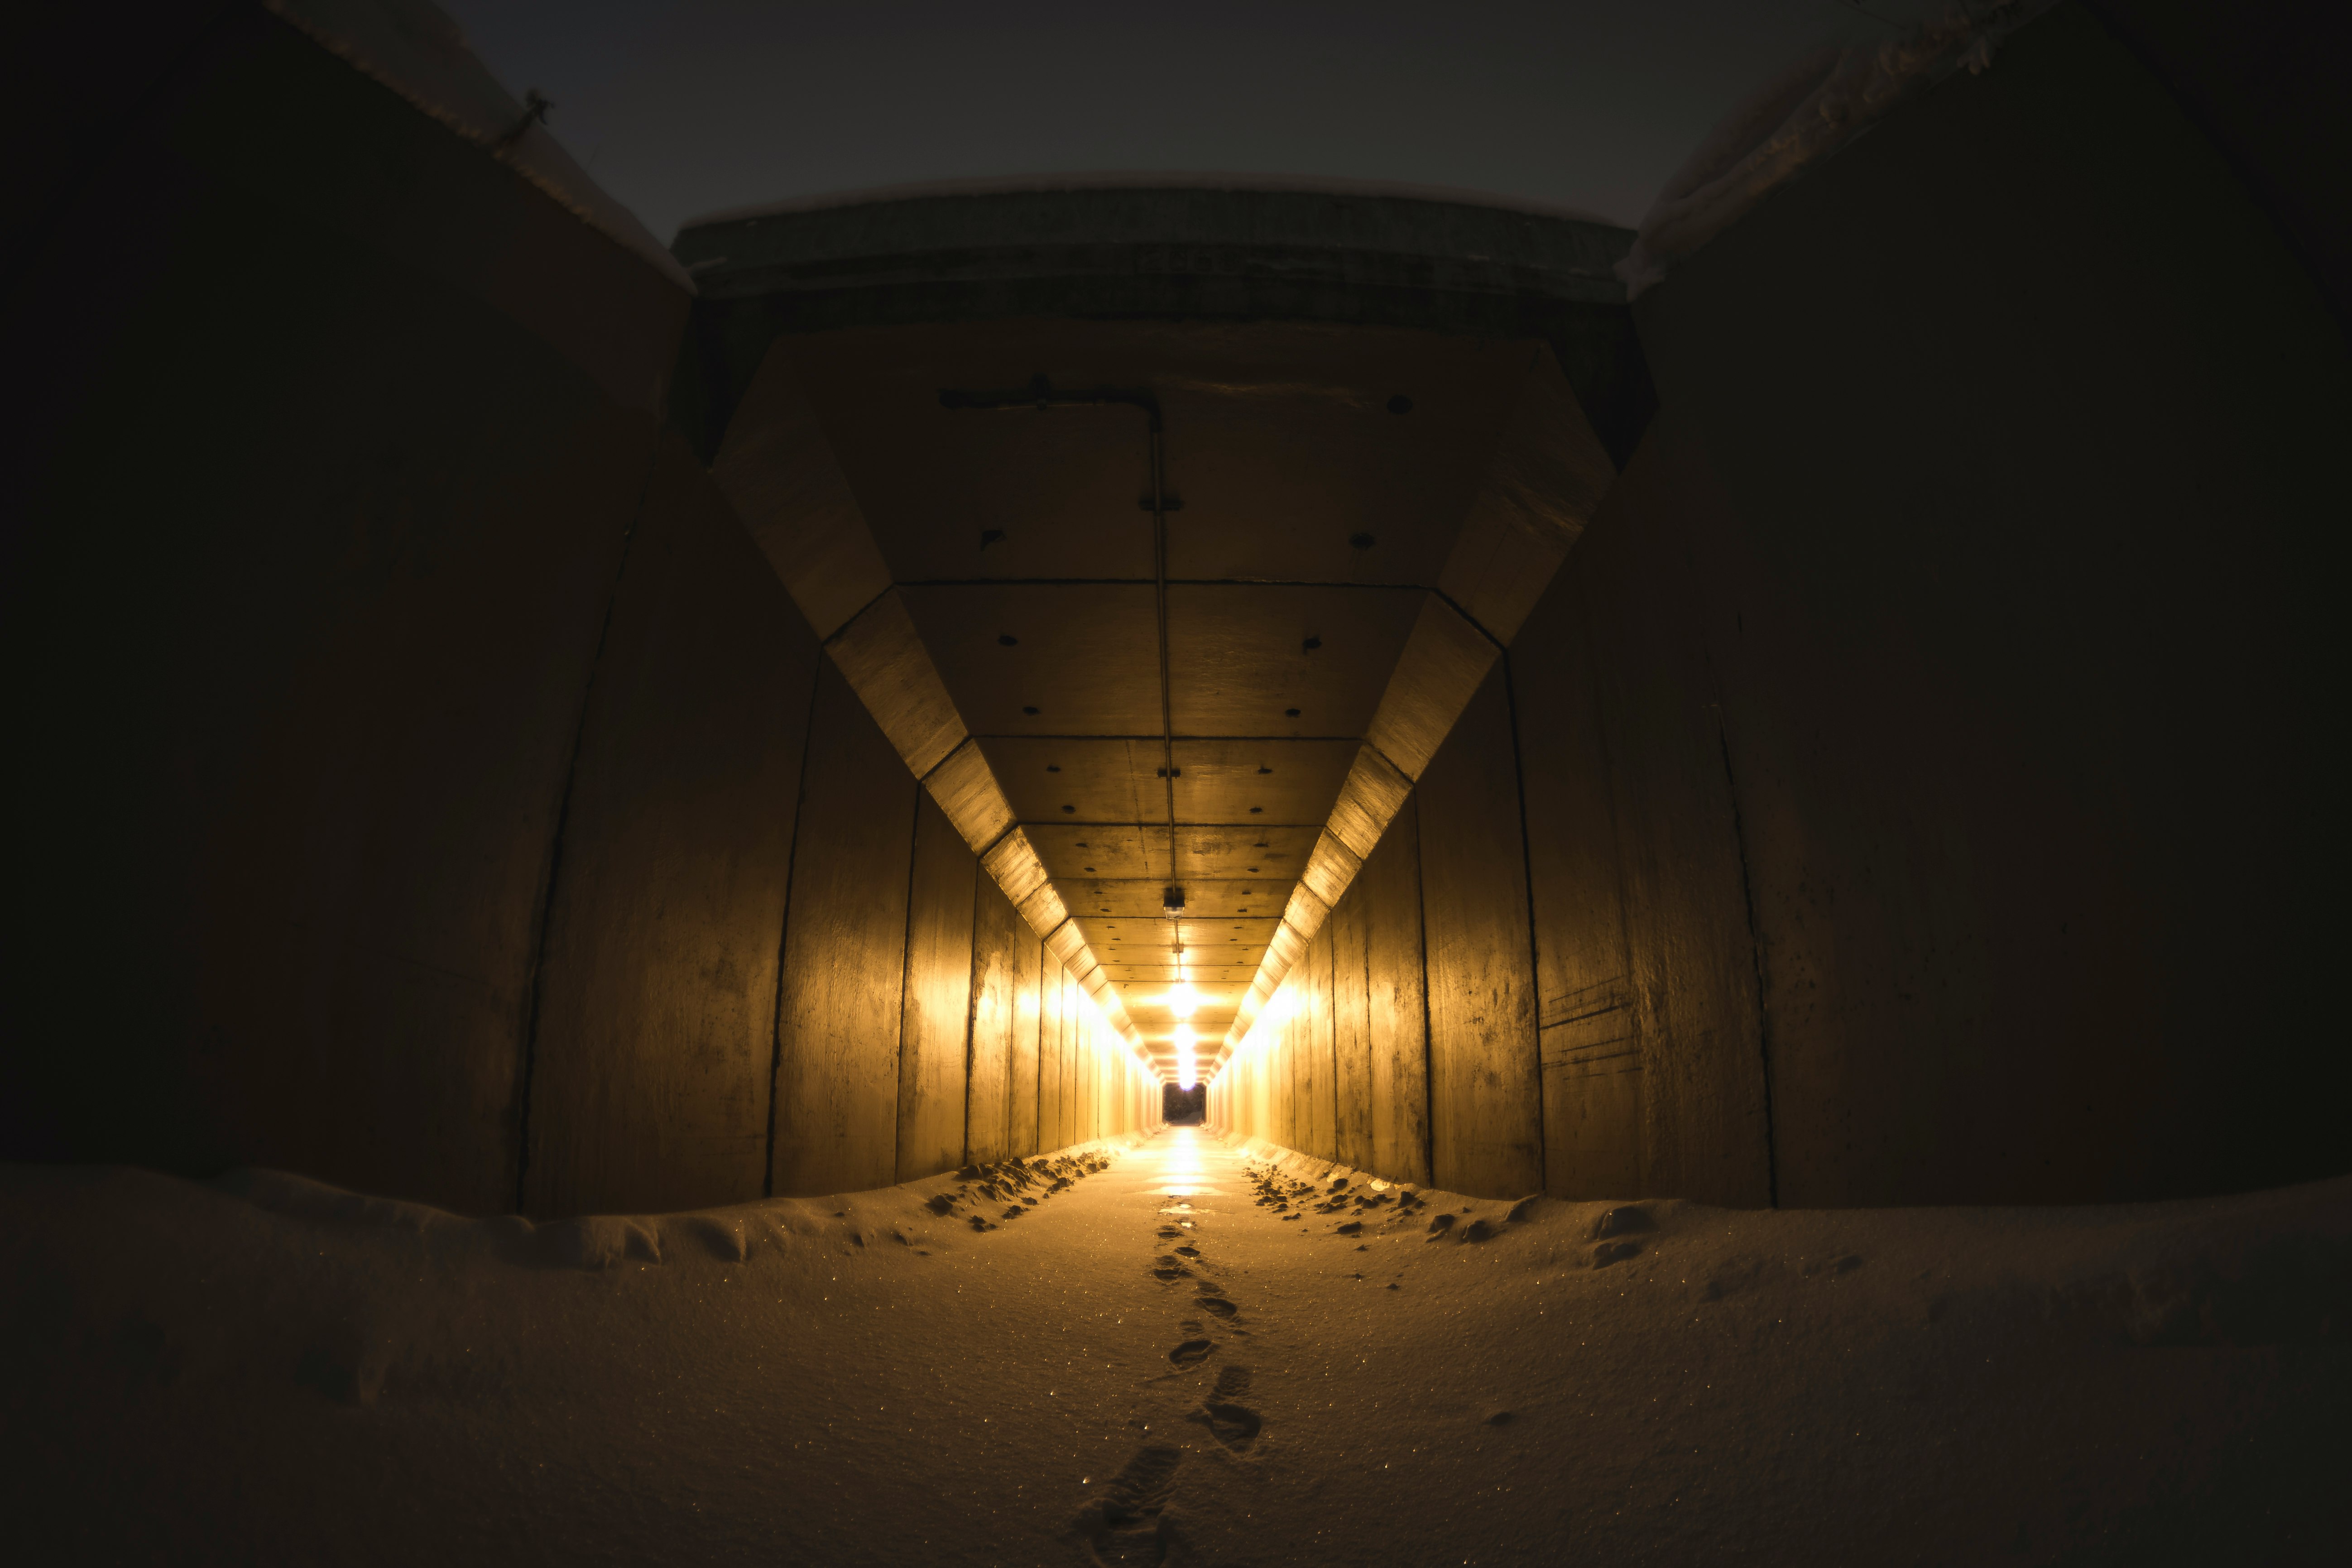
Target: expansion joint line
(543,915)
(1757,957)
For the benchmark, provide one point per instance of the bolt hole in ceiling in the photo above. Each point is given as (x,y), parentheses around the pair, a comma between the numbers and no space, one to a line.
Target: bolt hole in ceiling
(1141,670)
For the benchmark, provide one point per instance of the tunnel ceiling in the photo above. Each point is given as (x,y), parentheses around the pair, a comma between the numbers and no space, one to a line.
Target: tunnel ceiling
(1350,522)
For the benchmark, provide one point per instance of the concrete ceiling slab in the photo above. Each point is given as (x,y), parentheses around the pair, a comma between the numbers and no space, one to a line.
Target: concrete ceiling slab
(1118,851)
(1085,657)
(1056,491)
(1226,851)
(1282,659)
(1080,780)
(1284,447)
(1220,966)
(1249,931)
(1228,976)
(1211,897)
(1292,782)
(1111,850)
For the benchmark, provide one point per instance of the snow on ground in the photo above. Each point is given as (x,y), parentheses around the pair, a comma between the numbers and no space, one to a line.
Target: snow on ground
(1178,1351)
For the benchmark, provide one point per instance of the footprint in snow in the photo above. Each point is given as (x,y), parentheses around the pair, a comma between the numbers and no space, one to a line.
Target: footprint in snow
(1128,1522)
(1230,1422)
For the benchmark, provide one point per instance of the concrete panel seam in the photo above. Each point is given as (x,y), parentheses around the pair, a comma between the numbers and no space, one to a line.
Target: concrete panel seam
(784,925)
(890,669)
(535,992)
(1428,1066)
(970,1018)
(1459,608)
(1756,955)
(906,982)
(1527,869)
(834,636)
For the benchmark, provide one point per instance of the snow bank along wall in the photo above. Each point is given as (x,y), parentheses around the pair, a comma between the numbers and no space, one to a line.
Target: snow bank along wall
(422,782)
(1910,789)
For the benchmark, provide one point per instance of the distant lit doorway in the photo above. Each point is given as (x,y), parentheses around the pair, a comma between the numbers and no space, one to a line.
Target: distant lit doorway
(1183,1107)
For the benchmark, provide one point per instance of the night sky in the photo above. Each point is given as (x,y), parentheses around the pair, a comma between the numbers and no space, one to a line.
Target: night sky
(684,107)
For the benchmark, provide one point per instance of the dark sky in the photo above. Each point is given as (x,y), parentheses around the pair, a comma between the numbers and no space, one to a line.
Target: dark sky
(681,107)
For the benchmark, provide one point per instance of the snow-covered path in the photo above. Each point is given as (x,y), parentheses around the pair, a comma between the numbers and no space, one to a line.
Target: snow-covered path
(1179,1353)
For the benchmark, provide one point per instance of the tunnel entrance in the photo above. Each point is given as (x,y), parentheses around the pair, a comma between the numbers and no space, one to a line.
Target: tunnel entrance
(1184,1107)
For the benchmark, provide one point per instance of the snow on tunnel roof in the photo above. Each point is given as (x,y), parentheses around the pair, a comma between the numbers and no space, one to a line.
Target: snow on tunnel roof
(1144,180)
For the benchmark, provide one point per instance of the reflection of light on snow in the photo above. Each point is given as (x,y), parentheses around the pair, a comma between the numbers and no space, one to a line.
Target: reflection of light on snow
(1182,1172)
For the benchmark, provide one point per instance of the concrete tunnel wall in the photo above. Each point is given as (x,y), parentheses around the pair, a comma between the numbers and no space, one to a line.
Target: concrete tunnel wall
(427,785)
(1916,787)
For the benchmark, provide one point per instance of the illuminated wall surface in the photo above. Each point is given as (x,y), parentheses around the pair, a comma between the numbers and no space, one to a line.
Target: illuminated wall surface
(507,717)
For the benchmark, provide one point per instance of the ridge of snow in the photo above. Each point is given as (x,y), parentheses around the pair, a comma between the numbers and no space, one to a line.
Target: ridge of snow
(1803,116)
(1143,180)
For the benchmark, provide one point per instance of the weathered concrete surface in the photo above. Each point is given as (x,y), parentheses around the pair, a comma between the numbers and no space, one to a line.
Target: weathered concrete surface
(1924,746)
(1688,960)
(1396,999)
(997,951)
(1486,1123)
(1378,1020)
(304,569)
(2017,588)
(1591,1034)
(935,1025)
(1347,933)
(1053,1119)
(837,1089)
(657,989)
(1316,1085)
(1021,1079)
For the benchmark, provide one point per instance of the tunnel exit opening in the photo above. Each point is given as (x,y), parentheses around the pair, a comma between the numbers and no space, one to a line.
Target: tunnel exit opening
(1184,1107)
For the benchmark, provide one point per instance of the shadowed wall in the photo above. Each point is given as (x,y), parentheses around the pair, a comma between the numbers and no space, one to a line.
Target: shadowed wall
(438,794)
(1914,787)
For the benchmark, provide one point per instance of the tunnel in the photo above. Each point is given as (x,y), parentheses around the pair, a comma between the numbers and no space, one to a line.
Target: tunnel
(1179,868)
